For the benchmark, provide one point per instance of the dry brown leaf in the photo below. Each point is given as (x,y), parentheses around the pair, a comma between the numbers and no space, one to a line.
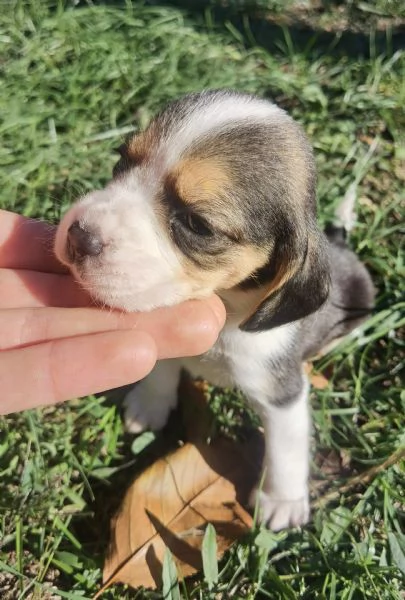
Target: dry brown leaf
(170,504)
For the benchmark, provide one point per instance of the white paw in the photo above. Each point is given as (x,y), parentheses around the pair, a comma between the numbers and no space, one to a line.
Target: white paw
(146,410)
(279,514)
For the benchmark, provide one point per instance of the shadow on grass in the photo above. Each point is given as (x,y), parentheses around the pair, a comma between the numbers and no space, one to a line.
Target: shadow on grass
(93,526)
(238,461)
(274,30)
(284,29)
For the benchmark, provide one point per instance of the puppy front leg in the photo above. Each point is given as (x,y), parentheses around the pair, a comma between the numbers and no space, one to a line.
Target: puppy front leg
(283,499)
(148,404)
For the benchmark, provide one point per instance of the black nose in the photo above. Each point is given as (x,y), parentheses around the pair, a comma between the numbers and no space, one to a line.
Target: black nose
(82,242)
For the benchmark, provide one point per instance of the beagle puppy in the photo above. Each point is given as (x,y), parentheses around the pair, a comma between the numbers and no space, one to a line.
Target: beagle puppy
(218,195)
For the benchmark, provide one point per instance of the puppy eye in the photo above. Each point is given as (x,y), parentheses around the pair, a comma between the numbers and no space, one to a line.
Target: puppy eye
(196,224)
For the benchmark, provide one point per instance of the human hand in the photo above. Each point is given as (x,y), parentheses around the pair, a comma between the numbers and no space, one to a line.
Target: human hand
(55,345)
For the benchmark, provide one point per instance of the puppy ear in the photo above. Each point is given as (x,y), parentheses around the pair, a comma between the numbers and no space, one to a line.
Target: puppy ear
(300,278)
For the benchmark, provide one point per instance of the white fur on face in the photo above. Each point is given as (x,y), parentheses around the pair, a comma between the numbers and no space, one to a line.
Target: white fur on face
(219,112)
(140,268)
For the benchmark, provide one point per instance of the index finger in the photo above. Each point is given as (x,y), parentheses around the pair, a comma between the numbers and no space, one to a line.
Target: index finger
(27,244)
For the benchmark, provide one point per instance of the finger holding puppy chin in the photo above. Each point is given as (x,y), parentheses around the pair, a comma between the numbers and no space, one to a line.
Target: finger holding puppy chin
(189,328)
(67,348)
(68,353)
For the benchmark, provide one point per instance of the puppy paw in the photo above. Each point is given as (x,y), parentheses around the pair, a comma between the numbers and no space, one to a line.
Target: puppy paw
(279,514)
(144,410)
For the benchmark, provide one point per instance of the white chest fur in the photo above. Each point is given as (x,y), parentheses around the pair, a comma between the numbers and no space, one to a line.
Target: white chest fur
(239,358)
(248,361)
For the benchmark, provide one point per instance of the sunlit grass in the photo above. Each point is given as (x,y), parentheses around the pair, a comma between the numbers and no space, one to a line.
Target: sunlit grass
(74,80)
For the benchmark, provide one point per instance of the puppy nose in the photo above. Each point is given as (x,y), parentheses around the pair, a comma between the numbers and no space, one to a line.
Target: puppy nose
(82,242)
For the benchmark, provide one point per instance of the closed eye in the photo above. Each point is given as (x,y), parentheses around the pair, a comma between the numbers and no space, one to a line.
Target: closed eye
(195,223)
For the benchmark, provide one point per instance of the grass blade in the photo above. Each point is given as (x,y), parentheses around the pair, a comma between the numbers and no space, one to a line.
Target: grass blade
(209,556)
(170,589)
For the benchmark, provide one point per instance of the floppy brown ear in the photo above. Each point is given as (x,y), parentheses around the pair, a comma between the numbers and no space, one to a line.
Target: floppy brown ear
(300,285)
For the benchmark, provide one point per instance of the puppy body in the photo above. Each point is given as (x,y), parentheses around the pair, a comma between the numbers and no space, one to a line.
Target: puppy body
(218,195)
(268,367)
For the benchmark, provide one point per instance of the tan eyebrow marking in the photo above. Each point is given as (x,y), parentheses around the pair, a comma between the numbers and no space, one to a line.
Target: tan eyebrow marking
(200,179)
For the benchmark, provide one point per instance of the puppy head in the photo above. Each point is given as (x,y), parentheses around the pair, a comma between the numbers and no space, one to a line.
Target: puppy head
(217,194)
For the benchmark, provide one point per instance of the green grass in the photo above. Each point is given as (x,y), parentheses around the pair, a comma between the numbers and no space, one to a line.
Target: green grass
(74,80)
